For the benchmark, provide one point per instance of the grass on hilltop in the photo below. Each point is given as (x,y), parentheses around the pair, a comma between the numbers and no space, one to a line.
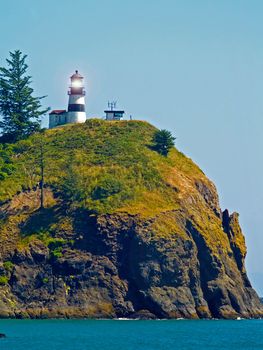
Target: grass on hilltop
(100,165)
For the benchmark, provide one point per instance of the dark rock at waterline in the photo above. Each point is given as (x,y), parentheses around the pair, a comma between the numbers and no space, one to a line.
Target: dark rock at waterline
(143,315)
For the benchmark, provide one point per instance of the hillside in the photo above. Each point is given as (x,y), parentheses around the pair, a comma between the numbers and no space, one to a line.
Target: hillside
(125,232)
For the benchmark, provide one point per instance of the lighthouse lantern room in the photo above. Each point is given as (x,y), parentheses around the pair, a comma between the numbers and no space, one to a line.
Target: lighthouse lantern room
(76,104)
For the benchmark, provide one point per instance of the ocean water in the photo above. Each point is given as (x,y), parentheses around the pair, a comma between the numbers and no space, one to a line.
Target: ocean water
(131,335)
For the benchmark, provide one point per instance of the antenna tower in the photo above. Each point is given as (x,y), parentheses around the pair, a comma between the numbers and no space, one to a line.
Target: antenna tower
(112,105)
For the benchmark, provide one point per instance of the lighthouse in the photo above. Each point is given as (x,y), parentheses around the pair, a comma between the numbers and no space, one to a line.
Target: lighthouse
(76,104)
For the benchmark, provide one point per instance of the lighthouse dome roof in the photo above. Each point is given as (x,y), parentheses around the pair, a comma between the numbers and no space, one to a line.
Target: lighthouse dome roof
(76,75)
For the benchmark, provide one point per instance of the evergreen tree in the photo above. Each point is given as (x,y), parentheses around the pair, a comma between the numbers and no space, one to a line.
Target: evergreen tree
(163,141)
(20,111)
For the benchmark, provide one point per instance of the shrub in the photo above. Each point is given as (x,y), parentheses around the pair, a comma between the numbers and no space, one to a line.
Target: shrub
(3,175)
(57,253)
(163,141)
(8,265)
(107,187)
(56,247)
(3,280)
(55,243)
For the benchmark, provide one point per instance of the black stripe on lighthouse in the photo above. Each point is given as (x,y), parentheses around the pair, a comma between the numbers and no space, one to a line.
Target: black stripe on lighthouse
(77,90)
(75,107)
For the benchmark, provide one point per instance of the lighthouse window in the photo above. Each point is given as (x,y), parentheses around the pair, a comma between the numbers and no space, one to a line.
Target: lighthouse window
(117,115)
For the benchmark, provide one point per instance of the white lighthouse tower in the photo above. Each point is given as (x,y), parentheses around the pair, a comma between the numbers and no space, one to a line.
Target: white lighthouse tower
(76,104)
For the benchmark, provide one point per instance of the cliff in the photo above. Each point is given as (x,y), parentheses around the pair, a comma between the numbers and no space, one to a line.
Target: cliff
(125,232)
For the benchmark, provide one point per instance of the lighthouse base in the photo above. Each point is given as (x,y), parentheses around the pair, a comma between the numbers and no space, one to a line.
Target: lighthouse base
(76,117)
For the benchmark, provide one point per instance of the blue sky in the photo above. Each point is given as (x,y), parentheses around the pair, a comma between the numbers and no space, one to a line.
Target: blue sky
(193,67)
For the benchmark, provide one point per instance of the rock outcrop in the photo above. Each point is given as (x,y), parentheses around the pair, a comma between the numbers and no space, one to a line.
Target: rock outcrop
(120,267)
(181,257)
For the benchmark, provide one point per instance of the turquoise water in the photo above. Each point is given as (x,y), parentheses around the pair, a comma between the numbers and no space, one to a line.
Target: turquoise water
(130,335)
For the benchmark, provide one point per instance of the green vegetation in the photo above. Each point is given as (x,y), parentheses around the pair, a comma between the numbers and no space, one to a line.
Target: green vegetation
(3,280)
(21,111)
(45,280)
(56,246)
(8,266)
(101,167)
(98,166)
(163,141)
(6,164)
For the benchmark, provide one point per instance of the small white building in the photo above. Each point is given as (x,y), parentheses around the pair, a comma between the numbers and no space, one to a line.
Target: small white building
(76,105)
(112,113)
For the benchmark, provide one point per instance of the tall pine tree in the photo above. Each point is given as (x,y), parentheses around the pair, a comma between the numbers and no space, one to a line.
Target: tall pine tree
(20,111)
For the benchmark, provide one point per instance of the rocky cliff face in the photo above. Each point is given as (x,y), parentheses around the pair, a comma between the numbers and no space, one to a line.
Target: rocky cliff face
(120,266)
(146,259)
